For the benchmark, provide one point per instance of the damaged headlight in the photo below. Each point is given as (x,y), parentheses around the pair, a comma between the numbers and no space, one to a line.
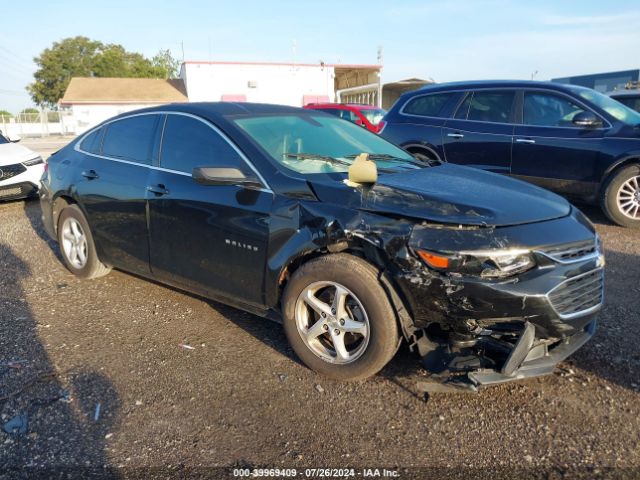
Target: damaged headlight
(34,161)
(481,263)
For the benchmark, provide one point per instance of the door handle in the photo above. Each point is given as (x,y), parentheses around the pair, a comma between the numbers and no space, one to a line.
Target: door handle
(157,189)
(525,140)
(455,135)
(90,174)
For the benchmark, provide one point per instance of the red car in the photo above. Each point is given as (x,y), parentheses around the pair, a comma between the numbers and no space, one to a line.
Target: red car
(363,115)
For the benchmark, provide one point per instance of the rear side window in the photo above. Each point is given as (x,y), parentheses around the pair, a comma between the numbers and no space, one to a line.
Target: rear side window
(91,144)
(490,106)
(427,105)
(547,110)
(188,143)
(131,138)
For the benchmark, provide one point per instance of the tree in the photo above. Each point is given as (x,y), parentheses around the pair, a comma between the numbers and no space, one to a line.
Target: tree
(83,57)
(5,115)
(164,61)
(71,57)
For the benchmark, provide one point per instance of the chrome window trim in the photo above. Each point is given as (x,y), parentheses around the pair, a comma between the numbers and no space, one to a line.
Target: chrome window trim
(77,148)
(515,89)
(402,112)
(466,91)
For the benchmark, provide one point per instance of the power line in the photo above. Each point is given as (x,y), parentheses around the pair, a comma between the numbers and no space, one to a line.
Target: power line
(15,65)
(27,64)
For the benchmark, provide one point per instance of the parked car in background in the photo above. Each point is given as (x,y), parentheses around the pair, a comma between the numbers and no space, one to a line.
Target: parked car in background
(363,115)
(20,170)
(262,207)
(568,139)
(630,98)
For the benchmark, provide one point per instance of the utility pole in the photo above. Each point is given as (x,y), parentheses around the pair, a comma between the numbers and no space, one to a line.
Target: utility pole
(379,95)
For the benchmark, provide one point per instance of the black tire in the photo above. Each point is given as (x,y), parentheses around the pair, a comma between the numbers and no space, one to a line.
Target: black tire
(93,267)
(609,199)
(423,155)
(362,280)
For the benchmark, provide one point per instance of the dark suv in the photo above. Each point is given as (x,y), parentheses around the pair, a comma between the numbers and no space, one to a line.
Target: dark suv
(572,140)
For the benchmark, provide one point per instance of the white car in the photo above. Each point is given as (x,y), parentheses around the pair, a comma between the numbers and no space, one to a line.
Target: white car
(20,170)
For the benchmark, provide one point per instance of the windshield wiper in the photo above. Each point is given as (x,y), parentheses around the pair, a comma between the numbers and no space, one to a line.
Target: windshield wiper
(315,156)
(328,159)
(386,156)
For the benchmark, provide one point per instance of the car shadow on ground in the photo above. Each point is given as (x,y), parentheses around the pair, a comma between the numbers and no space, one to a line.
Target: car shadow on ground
(33,212)
(48,422)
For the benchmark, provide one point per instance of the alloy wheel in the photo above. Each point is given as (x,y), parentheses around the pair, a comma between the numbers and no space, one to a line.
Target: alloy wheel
(74,243)
(332,322)
(629,198)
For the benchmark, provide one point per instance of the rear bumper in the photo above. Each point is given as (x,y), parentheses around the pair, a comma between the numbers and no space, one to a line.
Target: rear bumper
(46,206)
(538,361)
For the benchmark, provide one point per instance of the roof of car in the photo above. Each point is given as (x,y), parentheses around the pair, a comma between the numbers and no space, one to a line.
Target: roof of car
(492,84)
(225,109)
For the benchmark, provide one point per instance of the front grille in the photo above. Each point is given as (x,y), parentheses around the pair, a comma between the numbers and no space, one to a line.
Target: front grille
(19,190)
(571,252)
(8,171)
(578,294)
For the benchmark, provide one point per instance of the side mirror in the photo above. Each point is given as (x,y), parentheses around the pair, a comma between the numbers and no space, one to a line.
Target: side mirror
(224,176)
(587,120)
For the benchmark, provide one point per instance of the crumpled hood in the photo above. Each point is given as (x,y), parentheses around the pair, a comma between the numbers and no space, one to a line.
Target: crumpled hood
(11,153)
(449,194)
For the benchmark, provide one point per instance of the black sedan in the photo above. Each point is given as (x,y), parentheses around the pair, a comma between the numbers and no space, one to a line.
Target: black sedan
(267,208)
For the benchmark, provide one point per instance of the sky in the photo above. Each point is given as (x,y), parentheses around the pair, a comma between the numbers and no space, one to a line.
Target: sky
(443,41)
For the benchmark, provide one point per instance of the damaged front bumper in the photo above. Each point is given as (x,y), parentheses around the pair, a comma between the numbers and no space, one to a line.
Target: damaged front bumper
(537,360)
(473,332)
(528,359)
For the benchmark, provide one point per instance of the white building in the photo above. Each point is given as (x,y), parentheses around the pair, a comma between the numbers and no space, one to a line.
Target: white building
(292,84)
(89,101)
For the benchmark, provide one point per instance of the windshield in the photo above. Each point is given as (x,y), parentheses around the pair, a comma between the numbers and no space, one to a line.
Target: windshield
(373,116)
(612,107)
(310,143)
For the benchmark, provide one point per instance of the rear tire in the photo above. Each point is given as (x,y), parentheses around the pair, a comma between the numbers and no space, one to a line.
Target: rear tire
(77,246)
(358,334)
(621,197)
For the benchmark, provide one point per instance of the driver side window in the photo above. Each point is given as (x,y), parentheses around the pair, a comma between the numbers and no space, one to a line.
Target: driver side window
(188,143)
(548,110)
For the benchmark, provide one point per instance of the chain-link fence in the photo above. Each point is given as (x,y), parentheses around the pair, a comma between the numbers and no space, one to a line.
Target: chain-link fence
(32,124)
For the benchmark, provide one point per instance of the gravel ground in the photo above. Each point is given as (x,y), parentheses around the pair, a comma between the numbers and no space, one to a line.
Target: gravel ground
(239,397)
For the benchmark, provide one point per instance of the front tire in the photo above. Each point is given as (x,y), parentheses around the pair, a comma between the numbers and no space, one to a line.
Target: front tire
(77,246)
(338,318)
(621,197)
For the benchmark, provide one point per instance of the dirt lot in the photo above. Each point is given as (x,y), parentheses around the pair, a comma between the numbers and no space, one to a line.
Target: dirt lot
(240,398)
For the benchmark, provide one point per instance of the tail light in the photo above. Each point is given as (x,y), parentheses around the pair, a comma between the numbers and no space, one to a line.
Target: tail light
(381,126)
